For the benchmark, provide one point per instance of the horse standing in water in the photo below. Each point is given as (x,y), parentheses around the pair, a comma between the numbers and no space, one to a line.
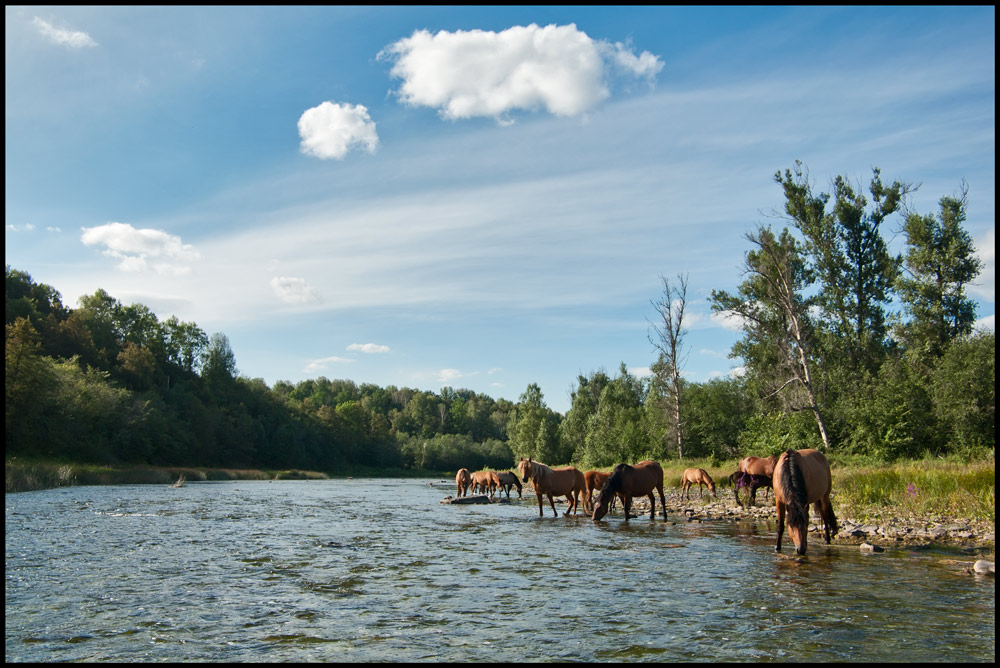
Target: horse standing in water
(485,481)
(507,480)
(595,481)
(632,481)
(566,481)
(463,480)
(802,477)
(699,476)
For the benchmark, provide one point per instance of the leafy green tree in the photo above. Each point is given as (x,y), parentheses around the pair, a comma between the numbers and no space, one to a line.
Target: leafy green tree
(777,343)
(963,389)
(584,402)
(940,261)
(618,432)
(535,430)
(849,257)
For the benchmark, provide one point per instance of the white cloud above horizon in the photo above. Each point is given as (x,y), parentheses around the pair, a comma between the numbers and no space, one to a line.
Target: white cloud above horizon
(480,73)
(74,39)
(292,290)
(368,348)
(134,249)
(331,130)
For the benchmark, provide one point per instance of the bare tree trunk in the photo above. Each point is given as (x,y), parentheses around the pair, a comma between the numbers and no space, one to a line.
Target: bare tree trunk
(667,340)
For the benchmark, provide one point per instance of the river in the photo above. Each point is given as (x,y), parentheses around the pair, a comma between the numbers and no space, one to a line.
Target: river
(380,570)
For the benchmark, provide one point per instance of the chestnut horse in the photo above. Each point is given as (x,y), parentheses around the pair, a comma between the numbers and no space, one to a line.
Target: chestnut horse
(802,477)
(485,481)
(566,481)
(595,481)
(629,482)
(758,466)
(699,476)
(507,480)
(463,479)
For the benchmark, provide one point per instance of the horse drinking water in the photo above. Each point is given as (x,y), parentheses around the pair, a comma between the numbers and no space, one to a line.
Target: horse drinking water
(632,481)
(802,477)
(566,481)
(507,481)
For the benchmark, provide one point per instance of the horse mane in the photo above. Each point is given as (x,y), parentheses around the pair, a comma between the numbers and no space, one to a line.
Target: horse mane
(517,480)
(614,482)
(794,486)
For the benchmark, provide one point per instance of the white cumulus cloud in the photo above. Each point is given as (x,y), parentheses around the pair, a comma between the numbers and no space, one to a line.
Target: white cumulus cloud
(74,39)
(472,73)
(369,348)
(985,285)
(138,249)
(331,130)
(293,290)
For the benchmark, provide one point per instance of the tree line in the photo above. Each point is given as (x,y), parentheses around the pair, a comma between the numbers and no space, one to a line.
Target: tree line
(845,347)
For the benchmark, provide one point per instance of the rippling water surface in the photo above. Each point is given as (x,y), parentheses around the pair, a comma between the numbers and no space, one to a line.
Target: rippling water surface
(379,570)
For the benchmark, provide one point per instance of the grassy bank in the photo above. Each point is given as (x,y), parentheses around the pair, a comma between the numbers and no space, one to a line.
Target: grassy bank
(929,488)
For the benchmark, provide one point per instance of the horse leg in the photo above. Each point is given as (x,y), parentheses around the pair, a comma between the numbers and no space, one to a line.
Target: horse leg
(781,525)
(663,502)
(552,503)
(652,506)
(539,495)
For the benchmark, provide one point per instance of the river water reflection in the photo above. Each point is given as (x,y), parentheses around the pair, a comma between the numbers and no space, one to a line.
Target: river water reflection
(380,570)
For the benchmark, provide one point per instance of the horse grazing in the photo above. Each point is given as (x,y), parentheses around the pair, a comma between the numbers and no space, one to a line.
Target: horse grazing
(802,477)
(566,481)
(631,481)
(485,481)
(758,466)
(507,480)
(752,482)
(699,476)
(463,479)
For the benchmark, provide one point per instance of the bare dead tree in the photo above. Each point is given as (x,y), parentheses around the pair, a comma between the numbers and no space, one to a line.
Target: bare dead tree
(667,336)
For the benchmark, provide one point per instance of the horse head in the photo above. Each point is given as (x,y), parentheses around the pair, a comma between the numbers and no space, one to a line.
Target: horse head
(525,468)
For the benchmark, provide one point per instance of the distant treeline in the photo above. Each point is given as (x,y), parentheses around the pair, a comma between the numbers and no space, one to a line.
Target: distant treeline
(110,383)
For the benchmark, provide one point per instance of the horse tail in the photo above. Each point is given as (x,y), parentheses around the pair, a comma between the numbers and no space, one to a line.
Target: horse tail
(793,485)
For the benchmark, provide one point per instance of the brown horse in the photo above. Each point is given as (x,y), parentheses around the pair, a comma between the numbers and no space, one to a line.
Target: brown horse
(750,481)
(802,477)
(693,476)
(463,479)
(566,481)
(507,480)
(595,481)
(629,482)
(485,481)
(758,466)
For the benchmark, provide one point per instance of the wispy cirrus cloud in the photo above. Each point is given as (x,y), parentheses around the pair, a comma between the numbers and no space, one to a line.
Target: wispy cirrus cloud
(73,39)
(322,363)
(368,348)
(139,249)
(332,130)
(472,73)
(292,290)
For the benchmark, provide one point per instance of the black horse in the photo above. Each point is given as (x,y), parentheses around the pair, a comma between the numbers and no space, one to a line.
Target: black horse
(751,481)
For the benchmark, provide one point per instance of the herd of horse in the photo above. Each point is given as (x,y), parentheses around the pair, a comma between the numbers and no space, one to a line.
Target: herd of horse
(799,478)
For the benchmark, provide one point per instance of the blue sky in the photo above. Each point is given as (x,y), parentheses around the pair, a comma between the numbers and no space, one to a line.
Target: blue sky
(474,197)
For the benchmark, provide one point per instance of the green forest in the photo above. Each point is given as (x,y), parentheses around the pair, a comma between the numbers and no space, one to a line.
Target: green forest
(846,347)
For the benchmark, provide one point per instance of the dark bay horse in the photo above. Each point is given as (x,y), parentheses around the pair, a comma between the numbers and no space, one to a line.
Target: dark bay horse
(631,481)
(802,477)
(758,466)
(463,480)
(752,482)
(565,481)
(699,477)
(507,480)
